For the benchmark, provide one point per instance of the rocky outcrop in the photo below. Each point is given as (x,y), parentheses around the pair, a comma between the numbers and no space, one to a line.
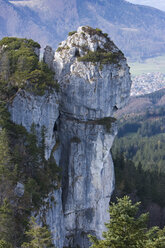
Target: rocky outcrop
(27,109)
(48,56)
(94,82)
(91,89)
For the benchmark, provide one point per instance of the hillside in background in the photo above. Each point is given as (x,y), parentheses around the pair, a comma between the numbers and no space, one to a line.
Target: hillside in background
(138,153)
(139,31)
(140,104)
(159,4)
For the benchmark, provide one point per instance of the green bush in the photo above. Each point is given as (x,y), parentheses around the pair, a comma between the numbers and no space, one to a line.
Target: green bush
(22,68)
(72,32)
(59,49)
(100,56)
(92,31)
(16,43)
(98,30)
(37,236)
(4,244)
(106,35)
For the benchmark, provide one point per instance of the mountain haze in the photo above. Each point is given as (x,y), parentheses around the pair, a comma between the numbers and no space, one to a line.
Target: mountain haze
(138,30)
(159,4)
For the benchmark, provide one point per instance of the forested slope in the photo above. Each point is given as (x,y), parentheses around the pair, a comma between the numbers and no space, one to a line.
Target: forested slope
(139,153)
(26,178)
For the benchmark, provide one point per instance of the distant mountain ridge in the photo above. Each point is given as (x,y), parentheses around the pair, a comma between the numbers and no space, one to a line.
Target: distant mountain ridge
(138,30)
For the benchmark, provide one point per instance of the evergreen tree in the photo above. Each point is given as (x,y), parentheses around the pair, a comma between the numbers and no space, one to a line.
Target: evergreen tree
(6,224)
(126,230)
(4,153)
(155,238)
(39,237)
(4,244)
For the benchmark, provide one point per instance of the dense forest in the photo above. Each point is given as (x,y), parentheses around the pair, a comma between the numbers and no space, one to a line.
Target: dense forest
(139,157)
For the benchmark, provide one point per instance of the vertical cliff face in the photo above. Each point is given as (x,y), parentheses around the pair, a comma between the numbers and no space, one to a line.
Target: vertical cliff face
(94,82)
(85,195)
(27,109)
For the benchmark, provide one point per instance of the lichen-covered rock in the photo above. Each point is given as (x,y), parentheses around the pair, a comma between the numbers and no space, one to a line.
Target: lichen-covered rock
(52,211)
(19,189)
(48,56)
(43,111)
(88,179)
(94,81)
(93,75)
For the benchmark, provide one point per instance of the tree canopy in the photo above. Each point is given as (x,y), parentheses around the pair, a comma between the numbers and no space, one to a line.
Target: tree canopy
(126,229)
(39,237)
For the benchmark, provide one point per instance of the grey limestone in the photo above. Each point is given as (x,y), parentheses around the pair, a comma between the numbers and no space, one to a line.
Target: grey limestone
(90,93)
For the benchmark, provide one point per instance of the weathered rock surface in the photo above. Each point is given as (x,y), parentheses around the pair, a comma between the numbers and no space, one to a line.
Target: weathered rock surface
(86,152)
(80,120)
(54,216)
(90,94)
(27,109)
(48,56)
(19,189)
(90,90)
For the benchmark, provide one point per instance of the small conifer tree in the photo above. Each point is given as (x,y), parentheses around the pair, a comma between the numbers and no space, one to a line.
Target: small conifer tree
(128,230)
(39,237)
